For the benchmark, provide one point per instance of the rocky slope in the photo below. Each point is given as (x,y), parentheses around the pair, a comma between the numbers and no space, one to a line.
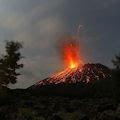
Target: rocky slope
(86,74)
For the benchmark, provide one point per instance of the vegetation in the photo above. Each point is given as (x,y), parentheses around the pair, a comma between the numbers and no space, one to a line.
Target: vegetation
(116,62)
(20,106)
(9,63)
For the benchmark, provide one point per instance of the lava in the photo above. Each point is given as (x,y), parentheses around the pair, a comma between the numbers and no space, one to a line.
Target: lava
(71,53)
(76,71)
(88,73)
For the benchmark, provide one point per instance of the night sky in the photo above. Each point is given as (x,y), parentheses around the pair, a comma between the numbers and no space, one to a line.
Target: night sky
(40,24)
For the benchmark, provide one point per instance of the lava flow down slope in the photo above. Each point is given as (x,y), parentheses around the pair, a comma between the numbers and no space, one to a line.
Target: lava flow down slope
(76,71)
(88,73)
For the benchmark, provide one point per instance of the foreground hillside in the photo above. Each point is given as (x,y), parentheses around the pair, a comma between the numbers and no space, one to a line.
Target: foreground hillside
(24,106)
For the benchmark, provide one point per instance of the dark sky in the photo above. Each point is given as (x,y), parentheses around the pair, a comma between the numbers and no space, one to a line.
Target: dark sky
(40,24)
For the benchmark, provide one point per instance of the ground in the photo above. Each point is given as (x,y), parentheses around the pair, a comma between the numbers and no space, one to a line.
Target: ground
(18,105)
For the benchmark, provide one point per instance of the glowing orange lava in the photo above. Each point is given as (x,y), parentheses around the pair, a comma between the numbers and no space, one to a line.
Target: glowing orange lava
(70,53)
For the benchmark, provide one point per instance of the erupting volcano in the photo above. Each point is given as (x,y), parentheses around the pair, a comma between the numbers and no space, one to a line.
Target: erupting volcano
(76,71)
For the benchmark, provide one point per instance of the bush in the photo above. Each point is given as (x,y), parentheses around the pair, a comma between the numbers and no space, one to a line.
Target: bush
(28,114)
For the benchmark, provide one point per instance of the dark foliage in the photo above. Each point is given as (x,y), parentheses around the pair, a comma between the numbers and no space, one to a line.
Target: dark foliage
(24,105)
(9,63)
(116,61)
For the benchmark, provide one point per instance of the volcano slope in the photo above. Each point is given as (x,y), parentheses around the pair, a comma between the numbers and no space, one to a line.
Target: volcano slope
(88,80)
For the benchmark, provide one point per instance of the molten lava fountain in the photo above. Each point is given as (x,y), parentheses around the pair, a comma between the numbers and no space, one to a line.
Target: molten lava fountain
(70,53)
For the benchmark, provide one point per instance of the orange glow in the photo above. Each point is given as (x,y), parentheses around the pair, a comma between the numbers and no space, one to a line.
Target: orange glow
(70,53)
(72,65)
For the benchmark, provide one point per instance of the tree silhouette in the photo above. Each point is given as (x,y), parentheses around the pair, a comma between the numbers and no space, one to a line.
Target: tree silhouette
(9,63)
(116,61)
